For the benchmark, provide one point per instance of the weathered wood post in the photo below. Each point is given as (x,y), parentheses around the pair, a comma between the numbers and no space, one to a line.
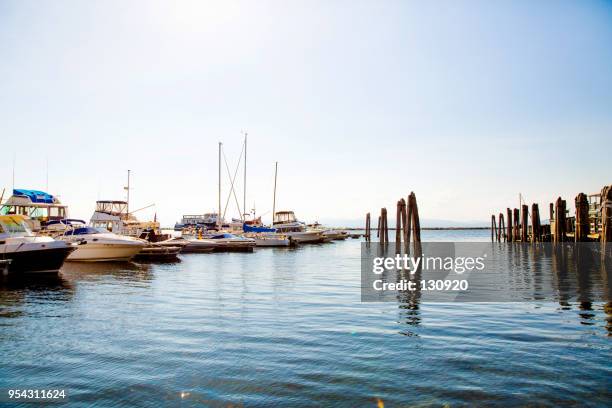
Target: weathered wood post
(524,223)
(384,233)
(536,230)
(416,223)
(404,219)
(582,218)
(517,226)
(367,228)
(559,220)
(605,201)
(509,236)
(501,228)
(378,229)
(398,224)
(493,228)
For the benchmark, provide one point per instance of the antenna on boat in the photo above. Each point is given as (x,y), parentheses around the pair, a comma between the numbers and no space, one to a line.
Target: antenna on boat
(245,174)
(274,199)
(219,213)
(47,176)
(127,210)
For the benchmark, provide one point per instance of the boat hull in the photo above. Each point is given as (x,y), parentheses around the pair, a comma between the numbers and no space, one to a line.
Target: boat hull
(158,253)
(306,237)
(48,260)
(92,252)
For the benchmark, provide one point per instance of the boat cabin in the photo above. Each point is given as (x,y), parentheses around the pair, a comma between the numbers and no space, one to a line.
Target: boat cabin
(284,217)
(113,216)
(40,207)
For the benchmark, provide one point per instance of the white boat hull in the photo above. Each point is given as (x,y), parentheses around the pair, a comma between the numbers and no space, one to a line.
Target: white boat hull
(93,252)
(305,237)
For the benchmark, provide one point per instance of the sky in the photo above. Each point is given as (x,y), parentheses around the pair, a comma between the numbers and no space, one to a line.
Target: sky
(466,103)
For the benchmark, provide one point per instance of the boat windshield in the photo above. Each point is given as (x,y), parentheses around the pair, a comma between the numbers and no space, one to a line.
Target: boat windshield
(11,225)
(220,236)
(85,231)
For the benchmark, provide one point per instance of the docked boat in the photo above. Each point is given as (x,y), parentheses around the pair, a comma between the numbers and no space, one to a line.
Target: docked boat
(196,221)
(231,243)
(158,252)
(24,252)
(265,237)
(100,245)
(285,222)
(38,207)
(198,245)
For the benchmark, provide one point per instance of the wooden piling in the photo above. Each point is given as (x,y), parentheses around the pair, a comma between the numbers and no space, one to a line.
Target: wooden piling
(581,232)
(367,228)
(416,223)
(493,228)
(509,236)
(398,224)
(378,229)
(517,227)
(559,213)
(405,231)
(524,223)
(501,228)
(605,202)
(536,227)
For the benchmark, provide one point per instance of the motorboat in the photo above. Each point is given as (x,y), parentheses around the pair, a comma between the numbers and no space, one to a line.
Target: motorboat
(100,245)
(330,234)
(114,216)
(38,207)
(265,237)
(26,252)
(154,251)
(208,221)
(227,242)
(198,245)
(285,222)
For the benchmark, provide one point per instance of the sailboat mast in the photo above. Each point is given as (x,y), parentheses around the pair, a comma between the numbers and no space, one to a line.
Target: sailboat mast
(274,199)
(219,213)
(245,174)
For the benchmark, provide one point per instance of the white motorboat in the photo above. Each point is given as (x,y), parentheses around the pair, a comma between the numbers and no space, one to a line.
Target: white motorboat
(26,252)
(38,207)
(285,222)
(269,239)
(198,245)
(232,243)
(99,245)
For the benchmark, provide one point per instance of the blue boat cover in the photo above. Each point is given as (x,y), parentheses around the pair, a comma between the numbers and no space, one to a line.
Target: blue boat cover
(34,195)
(249,228)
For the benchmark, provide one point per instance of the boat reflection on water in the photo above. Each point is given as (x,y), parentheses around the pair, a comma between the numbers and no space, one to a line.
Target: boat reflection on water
(124,271)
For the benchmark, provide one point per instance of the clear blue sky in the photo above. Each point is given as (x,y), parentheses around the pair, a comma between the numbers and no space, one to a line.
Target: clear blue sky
(466,103)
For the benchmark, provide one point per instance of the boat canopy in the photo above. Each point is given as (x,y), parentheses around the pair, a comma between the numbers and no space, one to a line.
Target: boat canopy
(112,207)
(83,231)
(282,217)
(250,228)
(35,196)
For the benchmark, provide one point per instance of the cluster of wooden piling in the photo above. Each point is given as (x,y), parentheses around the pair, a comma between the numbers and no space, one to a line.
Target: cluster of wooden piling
(515,227)
(407,222)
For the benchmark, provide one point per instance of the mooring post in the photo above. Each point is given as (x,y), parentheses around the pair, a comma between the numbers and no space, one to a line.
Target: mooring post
(404,218)
(408,228)
(493,228)
(378,229)
(398,224)
(416,223)
(536,230)
(559,220)
(524,223)
(605,202)
(509,236)
(367,227)
(582,218)
(501,229)
(386,228)
(517,224)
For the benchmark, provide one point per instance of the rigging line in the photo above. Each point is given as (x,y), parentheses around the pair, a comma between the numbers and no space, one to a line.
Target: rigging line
(232,182)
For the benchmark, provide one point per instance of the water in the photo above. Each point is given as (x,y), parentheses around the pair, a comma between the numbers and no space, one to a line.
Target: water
(287,328)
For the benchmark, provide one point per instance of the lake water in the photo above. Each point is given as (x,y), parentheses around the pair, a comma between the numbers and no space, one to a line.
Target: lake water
(287,328)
